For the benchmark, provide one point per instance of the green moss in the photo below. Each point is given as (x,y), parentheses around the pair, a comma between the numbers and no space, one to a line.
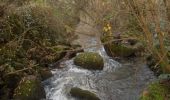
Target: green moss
(121,50)
(89,60)
(157,91)
(113,49)
(25,89)
(29,89)
(83,94)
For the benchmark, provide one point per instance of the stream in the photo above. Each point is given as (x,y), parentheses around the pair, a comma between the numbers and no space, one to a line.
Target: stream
(117,81)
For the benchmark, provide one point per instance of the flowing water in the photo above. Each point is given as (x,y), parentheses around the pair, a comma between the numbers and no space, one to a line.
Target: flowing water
(117,81)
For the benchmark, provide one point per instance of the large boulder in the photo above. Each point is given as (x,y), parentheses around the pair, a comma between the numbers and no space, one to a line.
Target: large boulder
(89,60)
(29,88)
(83,94)
(121,48)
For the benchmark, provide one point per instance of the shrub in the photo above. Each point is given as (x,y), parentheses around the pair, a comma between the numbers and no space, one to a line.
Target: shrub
(29,26)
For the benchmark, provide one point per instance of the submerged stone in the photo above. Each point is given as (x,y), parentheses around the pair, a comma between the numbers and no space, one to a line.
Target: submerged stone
(83,94)
(89,60)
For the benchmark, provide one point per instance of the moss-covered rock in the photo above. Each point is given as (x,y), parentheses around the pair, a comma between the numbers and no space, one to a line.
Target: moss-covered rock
(89,60)
(83,94)
(156,91)
(121,49)
(29,89)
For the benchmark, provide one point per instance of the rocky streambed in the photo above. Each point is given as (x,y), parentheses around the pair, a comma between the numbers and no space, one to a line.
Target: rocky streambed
(123,80)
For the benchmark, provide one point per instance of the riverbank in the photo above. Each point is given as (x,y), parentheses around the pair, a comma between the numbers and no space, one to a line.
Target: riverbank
(32,36)
(123,79)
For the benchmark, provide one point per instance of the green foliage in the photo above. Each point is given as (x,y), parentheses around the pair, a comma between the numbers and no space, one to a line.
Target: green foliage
(157,91)
(33,27)
(31,35)
(29,89)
